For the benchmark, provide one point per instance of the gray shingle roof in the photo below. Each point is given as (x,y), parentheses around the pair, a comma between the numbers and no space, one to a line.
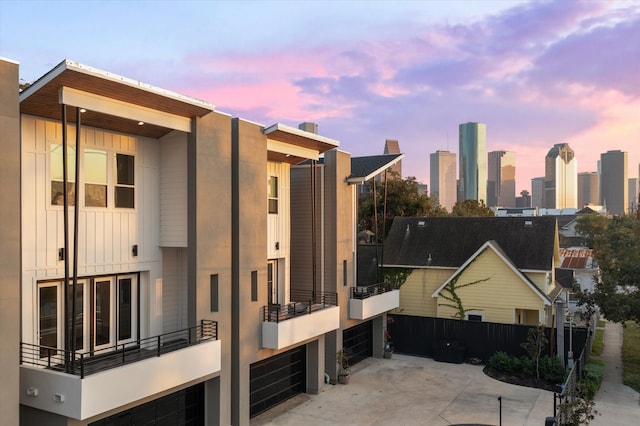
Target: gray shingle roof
(363,167)
(450,241)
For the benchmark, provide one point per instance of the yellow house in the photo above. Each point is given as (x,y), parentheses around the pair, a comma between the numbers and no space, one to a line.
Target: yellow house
(481,269)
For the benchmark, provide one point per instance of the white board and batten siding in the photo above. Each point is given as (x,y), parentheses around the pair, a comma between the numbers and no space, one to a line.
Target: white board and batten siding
(106,235)
(279,225)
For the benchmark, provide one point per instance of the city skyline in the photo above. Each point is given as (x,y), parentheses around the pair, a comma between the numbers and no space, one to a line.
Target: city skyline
(408,71)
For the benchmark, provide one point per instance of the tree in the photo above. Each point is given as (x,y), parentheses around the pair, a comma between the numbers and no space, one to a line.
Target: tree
(380,202)
(617,287)
(471,208)
(590,226)
(535,344)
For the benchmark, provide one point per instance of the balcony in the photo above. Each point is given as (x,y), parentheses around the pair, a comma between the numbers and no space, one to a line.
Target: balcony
(368,301)
(80,386)
(307,316)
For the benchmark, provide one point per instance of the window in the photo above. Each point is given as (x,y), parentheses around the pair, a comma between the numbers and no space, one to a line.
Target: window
(95,177)
(48,319)
(57,181)
(254,286)
(272,281)
(479,317)
(213,284)
(272,194)
(125,181)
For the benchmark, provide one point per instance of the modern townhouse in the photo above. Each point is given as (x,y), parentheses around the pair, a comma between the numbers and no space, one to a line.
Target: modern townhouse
(178,265)
(125,232)
(9,241)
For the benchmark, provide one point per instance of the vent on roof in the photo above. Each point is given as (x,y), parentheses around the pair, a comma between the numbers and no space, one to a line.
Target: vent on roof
(528,223)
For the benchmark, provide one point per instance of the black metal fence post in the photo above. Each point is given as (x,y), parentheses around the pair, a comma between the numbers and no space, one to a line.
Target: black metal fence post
(500,404)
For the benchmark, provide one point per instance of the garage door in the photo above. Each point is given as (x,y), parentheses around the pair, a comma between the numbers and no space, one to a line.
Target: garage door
(185,407)
(358,342)
(277,379)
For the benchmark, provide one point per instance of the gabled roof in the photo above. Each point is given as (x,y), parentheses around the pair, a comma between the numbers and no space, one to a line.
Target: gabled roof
(530,242)
(364,168)
(493,245)
(564,277)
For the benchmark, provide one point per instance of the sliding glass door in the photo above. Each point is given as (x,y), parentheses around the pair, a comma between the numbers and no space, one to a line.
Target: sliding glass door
(106,312)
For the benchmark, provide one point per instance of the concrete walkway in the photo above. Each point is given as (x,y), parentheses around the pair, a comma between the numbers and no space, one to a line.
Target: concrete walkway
(406,390)
(617,404)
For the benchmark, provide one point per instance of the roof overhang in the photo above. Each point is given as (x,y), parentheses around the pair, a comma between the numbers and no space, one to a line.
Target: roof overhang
(291,145)
(111,102)
(373,173)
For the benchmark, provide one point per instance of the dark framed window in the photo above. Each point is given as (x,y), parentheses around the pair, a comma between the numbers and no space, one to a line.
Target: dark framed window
(213,283)
(254,286)
(272,194)
(95,178)
(124,191)
(57,170)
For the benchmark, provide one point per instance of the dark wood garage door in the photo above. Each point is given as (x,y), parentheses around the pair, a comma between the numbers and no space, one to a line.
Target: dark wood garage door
(358,342)
(277,379)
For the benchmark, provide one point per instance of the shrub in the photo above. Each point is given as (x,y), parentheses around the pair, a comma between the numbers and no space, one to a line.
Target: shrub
(501,361)
(527,366)
(593,373)
(552,369)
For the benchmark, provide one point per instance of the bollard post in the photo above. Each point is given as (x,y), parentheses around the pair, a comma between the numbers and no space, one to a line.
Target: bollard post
(500,403)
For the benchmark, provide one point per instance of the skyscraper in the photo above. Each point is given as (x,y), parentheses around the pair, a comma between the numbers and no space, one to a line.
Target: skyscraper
(588,189)
(614,184)
(633,195)
(560,178)
(473,161)
(391,146)
(443,178)
(537,191)
(501,182)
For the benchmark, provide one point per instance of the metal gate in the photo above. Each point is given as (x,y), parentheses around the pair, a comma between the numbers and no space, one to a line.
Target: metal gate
(277,379)
(358,342)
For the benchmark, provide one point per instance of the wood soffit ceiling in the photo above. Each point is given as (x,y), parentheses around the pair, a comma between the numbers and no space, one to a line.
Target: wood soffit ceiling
(283,158)
(44,103)
(298,140)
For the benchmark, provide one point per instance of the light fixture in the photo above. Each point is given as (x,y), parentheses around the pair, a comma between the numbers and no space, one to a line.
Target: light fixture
(82,110)
(140,123)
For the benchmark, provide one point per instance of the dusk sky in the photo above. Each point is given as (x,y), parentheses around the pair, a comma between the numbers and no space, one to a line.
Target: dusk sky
(537,73)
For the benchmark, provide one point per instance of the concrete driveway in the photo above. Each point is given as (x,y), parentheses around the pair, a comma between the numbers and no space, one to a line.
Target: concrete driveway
(406,390)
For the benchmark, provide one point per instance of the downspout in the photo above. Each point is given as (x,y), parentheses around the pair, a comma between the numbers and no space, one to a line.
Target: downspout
(65,181)
(375,227)
(76,214)
(384,220)
(313,230)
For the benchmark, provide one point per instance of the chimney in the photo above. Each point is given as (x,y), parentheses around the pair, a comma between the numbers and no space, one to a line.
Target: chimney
(308,126)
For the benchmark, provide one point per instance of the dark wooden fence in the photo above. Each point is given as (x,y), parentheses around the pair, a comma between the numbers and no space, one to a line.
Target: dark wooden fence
(422,336)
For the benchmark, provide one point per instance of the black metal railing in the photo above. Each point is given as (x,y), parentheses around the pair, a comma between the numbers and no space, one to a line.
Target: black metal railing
(562,402)
(83,364)
(366,291)
(303,302)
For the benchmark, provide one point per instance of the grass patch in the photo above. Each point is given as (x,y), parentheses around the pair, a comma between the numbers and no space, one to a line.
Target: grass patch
(601,323)
(631,355)
(598,342)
